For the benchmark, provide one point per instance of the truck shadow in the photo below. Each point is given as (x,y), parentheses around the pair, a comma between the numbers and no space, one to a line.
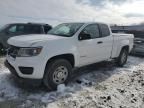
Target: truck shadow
(98,72)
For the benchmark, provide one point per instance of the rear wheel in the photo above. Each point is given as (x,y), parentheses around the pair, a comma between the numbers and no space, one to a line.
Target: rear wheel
(1,49)
(122,59)
(57,72)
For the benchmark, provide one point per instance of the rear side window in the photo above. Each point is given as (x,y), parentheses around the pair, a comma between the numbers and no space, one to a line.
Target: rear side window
(33,29)
(104,30)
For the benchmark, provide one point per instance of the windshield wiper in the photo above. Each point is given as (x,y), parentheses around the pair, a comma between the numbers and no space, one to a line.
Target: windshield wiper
(60,35)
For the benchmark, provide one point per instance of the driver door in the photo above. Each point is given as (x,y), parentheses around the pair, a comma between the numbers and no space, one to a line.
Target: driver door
(89,48)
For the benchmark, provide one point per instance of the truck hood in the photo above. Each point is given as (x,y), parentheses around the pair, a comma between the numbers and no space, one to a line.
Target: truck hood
(29,40)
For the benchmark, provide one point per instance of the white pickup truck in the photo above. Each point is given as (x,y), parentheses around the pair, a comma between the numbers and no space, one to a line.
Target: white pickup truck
(50,58)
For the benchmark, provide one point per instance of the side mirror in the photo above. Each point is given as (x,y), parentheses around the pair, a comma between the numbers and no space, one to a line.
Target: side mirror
(84,36)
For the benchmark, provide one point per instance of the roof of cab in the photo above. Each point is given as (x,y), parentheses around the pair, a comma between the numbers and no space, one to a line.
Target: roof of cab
(30,23)
(88,22)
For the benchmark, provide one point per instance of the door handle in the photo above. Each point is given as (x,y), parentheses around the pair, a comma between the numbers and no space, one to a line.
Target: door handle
(100,42)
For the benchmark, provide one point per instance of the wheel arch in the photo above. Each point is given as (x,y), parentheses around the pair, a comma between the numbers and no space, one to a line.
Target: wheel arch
(121,48)
(69,57)
(125,47)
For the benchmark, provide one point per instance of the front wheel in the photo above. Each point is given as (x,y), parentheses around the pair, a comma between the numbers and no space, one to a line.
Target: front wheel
(122,59)
(57,72)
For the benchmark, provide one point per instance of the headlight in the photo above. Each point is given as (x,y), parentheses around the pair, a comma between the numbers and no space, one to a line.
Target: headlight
(28,52)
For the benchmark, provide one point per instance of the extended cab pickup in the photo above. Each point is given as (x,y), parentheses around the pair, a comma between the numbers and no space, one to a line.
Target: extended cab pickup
(50,58)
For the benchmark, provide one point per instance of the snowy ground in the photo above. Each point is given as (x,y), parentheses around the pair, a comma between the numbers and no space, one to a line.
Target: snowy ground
(97,86)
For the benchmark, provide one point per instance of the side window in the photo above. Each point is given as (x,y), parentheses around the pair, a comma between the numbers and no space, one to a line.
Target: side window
(33,29)
(104,30)
(20,28)
(92,30)
(27,29)
(36,29)
(13,29)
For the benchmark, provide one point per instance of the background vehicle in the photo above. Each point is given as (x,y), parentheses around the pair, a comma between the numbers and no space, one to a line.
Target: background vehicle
(138,31)
(17,29)
(50,58)
(138,43)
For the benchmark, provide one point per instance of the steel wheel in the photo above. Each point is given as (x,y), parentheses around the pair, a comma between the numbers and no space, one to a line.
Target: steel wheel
(57,72)
(124,57)
(60,75)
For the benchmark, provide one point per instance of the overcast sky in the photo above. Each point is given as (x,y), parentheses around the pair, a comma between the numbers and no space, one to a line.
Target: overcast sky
(57,11)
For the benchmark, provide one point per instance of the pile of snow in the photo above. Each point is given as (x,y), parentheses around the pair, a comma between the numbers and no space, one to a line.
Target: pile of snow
(8,89)
(105,86)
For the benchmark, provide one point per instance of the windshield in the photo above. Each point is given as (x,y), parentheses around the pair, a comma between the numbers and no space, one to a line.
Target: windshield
(66,29)
(3,27)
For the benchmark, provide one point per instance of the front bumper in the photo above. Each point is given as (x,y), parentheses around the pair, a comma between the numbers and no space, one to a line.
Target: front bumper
(28,67)
(35,82)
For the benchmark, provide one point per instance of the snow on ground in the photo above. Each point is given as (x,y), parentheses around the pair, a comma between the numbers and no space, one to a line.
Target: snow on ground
(97,86)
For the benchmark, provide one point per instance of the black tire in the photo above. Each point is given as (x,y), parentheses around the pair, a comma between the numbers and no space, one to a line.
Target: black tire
(122,59)
(1,49)
(49,76)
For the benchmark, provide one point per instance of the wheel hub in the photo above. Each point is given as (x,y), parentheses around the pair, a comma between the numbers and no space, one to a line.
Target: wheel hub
(60,75)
